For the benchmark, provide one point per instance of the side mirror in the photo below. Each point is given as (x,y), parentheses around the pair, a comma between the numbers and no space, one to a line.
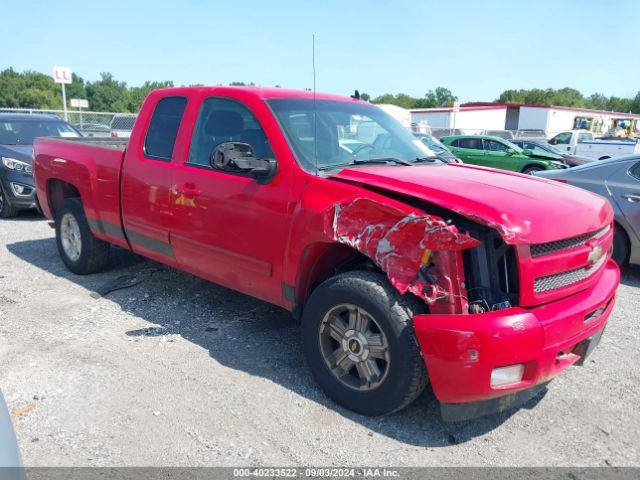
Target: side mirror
(511,151)
(239,157)
(527,152)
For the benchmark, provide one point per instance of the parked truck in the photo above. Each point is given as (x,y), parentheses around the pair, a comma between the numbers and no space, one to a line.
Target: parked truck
(583,143)
(403,270)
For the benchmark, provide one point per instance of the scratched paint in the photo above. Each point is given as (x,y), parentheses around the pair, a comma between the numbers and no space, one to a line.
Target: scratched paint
(396,242)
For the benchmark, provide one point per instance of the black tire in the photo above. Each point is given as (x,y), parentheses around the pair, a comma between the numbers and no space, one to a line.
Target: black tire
(6,209)
(94,253)
(620,246)
(532,169)
(406,375)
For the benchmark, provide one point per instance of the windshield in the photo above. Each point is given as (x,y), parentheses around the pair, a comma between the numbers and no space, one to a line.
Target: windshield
(23,132)
(433,144)
(552,149)
(346,133)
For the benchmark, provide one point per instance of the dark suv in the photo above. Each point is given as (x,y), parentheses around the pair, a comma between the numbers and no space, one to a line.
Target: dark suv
(17,132)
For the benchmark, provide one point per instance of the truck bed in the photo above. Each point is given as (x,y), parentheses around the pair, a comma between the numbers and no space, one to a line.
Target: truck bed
(93,167)
(104,142)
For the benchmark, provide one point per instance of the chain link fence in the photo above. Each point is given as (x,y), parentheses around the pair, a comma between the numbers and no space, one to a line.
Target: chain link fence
(436,132)
(91,124)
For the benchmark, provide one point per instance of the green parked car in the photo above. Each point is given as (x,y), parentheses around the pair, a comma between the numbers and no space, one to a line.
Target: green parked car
(497,152)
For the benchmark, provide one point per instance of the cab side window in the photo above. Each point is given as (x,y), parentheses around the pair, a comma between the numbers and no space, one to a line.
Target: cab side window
(494,146)
(163,128)
(561,139)
(635,171)
(470,143)
(584,137)
(222,120)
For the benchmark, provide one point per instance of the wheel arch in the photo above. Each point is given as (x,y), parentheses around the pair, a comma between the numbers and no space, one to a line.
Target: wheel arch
(57,191)
(530,164)
(323,260)
(618,226)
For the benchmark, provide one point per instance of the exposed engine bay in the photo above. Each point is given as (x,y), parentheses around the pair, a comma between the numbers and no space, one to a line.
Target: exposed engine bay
(455,265)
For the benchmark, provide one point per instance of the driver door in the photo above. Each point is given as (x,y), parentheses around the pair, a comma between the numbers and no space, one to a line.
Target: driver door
(470,150)
(625,188)
(496,156)
(228,228)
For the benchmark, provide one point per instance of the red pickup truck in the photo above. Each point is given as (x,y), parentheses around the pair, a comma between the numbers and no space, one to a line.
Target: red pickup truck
(404,270)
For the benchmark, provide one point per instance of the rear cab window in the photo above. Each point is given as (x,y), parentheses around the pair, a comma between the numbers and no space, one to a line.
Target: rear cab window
(585,137)
(163,128)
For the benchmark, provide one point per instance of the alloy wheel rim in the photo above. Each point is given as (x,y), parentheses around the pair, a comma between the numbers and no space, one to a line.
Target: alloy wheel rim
(70,237)
(354,347)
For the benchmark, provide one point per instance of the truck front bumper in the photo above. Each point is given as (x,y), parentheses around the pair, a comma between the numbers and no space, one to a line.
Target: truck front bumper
(14,181)
(461,351)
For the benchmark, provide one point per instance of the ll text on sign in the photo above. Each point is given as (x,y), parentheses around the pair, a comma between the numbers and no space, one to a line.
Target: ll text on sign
(61,74)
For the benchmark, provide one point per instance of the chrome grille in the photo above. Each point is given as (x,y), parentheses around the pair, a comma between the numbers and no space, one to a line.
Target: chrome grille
(566,244)
(564,279)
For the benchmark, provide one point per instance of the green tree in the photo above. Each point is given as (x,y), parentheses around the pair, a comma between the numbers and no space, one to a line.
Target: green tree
(597,101)
(444,97)
(36,98)
(76,89)
(618,104)
(635,103)
(11,83)
(400,99)
(138,94)
(108,94)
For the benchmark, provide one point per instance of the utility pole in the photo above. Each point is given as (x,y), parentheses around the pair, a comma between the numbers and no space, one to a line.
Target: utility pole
(62,75)
(64,103)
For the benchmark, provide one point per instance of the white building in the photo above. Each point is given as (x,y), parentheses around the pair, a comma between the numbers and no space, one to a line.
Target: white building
(470,118)
(476,116)
(400,114)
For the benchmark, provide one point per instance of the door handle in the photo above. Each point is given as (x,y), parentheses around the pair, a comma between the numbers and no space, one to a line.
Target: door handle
(189,190)
(632,197)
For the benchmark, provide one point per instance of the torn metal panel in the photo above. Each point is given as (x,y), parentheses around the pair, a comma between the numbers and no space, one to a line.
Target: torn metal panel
(417,251)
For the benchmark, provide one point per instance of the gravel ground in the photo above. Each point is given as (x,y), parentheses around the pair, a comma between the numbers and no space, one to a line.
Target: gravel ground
(177,371)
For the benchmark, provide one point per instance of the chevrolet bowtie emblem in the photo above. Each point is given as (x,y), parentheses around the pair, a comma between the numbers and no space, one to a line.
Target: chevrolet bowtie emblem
(595,254)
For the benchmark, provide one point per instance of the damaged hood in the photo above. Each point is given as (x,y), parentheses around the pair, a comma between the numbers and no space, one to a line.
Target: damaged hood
(524,209)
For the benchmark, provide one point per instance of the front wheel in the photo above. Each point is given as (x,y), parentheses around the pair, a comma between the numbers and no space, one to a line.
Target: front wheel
(79,249)
(532,170)
(360,344)
(620,253)
(6,209)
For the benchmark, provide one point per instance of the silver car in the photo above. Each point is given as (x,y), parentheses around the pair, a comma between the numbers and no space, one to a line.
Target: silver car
(9,454)
(617,179)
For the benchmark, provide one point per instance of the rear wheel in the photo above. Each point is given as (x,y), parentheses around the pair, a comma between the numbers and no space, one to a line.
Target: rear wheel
(6,209)
(359,342)
(79,249)
(620,253)
(532,169)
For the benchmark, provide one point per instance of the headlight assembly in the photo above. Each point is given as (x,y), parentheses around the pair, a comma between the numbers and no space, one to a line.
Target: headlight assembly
(17,165)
